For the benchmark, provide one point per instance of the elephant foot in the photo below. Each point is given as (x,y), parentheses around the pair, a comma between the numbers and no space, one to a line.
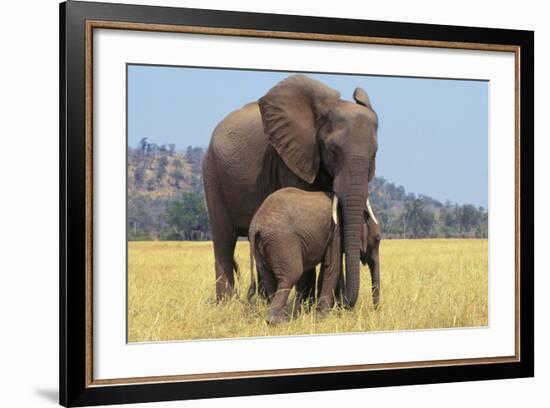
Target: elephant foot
(211,301)
(226,299)
(224,292)
(322,312)
(290,309)
(295,309)
(276,317)
(376,298)
(250,295)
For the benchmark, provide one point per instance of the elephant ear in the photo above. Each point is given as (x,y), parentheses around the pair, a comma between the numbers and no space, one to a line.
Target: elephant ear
(291,111)
(361,97)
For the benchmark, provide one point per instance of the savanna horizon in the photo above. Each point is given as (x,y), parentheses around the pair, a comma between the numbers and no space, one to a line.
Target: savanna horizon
(425,284)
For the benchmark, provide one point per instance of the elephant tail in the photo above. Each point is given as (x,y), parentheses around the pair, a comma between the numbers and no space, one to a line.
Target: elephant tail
(252,288)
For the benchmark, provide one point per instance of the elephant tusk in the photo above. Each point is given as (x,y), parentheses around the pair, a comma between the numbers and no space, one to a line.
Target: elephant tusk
(370,212)
(335,209)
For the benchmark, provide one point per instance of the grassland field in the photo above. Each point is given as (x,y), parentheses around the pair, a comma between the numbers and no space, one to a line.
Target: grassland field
(425,284)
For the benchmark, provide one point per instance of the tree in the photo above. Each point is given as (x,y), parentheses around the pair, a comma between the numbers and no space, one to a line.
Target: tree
(138,219)
(150,185)
(425,222)
(151,148)
(418,219)
(194,156)
(161,173)
(187,217)
(405,216)
(177,172)
(139,176)
(484,225)
(161,169)
(469,217)
(143,144)
(189,154)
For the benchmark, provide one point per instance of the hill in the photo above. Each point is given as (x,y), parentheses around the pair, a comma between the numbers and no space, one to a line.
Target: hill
(166,201)
(159,180)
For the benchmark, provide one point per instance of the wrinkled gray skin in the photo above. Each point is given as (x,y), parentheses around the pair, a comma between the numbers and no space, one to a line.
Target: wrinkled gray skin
(300,134)
(370,254)
(293,231)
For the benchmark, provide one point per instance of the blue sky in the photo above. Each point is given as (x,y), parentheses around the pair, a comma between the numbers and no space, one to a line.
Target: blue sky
(433,133)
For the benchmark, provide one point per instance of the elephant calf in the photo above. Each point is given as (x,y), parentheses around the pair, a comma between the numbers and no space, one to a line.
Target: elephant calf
(370,250)
(293,231)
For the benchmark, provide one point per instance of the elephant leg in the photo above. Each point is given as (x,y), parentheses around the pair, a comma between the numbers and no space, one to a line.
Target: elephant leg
(263,291)
(286,277)
(224,238)
(251,291)
(266,280)
(374,266)
(224,234)
(328,291)
(319,284)
(305,289)
(339,292)
(277,312)
(331,271)
(224,248)
(255,278)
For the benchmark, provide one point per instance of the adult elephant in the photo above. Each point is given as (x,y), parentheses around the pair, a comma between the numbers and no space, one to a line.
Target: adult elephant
(300,134)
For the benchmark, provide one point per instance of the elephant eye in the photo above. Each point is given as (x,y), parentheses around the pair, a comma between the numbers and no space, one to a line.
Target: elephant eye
(339,126)
(334,150)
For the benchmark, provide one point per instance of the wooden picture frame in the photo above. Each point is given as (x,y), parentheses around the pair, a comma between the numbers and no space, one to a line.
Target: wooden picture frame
(78,20)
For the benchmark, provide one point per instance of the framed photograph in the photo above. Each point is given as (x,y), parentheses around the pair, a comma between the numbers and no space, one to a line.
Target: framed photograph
(256,204)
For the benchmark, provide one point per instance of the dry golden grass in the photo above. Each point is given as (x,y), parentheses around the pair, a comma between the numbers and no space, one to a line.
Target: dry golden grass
(424,284)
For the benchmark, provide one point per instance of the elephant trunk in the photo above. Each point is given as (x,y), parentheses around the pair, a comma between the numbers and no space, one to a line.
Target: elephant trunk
(352,221)
(374,267)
